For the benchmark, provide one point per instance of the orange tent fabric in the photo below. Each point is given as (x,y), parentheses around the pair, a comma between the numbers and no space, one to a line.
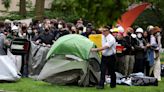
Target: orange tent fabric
(130,16)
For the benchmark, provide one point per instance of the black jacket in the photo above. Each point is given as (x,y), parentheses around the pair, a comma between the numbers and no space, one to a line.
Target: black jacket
(140,52)
(130,42)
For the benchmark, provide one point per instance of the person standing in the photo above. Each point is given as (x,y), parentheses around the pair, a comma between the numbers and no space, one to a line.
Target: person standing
(156,45)
(2,39)
(120,56)
(129,52)
(108,57)
(146,37)
(140,51)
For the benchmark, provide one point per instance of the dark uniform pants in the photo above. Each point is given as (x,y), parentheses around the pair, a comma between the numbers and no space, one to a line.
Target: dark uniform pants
(108,64)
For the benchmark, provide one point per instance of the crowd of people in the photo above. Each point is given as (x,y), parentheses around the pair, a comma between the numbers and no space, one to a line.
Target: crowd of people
(137,51)
(123,50)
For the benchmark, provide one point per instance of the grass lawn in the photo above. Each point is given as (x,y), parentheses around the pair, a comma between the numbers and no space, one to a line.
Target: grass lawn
(29,85)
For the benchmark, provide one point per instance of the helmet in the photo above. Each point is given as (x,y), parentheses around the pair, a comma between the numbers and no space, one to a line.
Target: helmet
(139,30)
(120,29)
(114,30)
(15,28)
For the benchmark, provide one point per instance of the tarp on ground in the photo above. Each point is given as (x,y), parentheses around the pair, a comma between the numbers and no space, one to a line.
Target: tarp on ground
(37,59)
(9,69)
(71,62)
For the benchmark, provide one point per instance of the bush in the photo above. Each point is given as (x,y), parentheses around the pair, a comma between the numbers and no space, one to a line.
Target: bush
(16,16)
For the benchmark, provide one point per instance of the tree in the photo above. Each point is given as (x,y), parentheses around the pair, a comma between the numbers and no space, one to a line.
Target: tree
(22,8)
(153,16)
(39,9)
(6,4)
(101,12)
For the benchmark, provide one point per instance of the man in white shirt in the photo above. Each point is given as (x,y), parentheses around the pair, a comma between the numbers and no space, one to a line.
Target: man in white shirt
(108,57)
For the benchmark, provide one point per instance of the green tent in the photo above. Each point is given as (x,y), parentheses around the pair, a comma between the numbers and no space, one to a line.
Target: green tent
(70,61)
(72,44)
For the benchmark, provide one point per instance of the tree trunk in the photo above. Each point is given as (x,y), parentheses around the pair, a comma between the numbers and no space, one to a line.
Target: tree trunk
(39,9)
(22,8)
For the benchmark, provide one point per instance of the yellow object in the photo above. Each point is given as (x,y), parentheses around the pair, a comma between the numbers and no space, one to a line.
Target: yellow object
(97,39)
(115,30)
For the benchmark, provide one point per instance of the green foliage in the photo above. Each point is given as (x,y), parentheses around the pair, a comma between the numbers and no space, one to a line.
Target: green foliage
(100,12)
(6,3)
(64,9)
(152,16)
(67,16)
(148,17)
(17,16)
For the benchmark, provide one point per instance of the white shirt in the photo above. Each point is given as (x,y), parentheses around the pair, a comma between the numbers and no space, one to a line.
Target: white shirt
(153,40)
(109,41)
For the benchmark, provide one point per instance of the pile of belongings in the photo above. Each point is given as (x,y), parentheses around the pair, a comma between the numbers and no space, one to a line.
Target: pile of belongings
(134,79)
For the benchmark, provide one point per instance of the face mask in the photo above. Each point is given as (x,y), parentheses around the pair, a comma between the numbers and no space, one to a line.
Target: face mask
(139,35)
(158,34)
(40,25)
(46,30)
(60,26)
(23,28)
(129,33)
(24,34)
(29,31)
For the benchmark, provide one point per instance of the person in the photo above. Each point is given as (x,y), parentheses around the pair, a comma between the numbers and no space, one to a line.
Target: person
(129,52)
(120,57)
(157,66)
(155,43)
(140,49)
(23,31)
(114,32)
(35,34)
(2,39)
(147,60)
(87,33)
(108,57)
(74,30)
(61,31)
(46,38)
